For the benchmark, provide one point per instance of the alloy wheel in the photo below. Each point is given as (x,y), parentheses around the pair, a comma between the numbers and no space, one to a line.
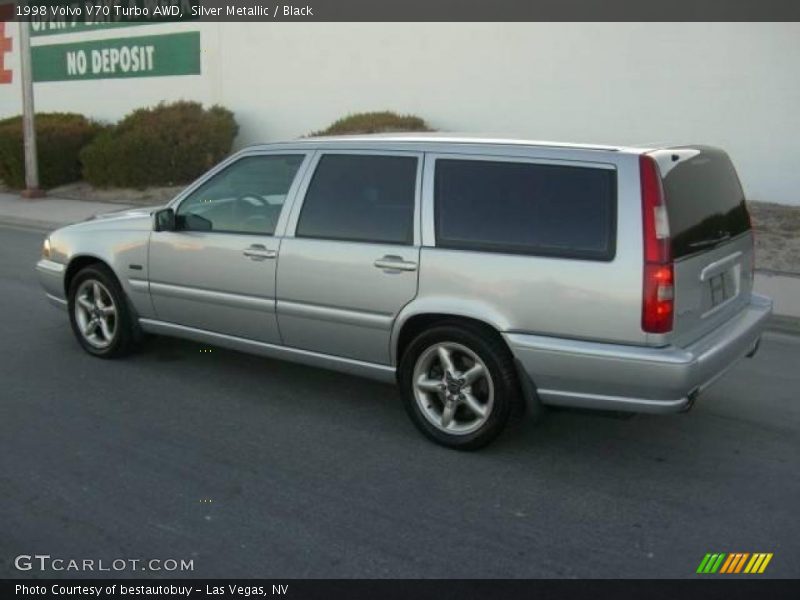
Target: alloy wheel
(453,388)
(95,314)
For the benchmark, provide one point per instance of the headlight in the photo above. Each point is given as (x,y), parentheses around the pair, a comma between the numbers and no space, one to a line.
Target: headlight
(46,248)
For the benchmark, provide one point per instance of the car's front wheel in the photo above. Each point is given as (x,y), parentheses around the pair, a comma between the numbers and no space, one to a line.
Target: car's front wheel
(459,385)
(99,314)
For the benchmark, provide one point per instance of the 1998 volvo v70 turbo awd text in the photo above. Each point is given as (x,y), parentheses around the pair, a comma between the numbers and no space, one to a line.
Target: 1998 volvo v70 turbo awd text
(479,274)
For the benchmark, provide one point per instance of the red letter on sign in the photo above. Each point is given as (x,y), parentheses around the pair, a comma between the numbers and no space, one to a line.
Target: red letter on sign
(6,13)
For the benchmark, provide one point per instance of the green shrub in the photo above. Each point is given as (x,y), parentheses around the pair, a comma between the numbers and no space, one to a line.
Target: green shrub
(59,139)
(375,122)
(168,144)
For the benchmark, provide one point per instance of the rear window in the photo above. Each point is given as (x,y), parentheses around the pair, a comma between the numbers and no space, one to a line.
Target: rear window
(525,208)
(705,201)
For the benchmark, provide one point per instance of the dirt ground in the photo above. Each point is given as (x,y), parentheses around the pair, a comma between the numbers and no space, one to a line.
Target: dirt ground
(83,191)
(777,226)
(777,232)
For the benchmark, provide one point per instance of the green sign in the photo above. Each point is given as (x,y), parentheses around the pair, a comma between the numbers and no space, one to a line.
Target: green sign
(145,56)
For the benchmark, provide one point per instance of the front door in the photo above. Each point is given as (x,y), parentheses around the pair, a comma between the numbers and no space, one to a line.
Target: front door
(349,261)
(216,271)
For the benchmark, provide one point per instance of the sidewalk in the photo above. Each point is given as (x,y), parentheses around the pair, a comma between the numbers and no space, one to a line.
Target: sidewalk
(50,213)
(784,289)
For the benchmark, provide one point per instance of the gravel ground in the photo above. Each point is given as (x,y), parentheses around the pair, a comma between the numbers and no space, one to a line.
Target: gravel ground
(777,236)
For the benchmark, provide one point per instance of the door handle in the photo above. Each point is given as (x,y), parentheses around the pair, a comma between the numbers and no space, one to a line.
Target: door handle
(395,263)
(259,252)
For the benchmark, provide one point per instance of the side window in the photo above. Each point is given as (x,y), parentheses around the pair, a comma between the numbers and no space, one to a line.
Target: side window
(246,197)
(526,208)
(363,198)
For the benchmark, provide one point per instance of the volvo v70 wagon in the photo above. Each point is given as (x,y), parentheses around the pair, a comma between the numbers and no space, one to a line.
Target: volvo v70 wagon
(481,275)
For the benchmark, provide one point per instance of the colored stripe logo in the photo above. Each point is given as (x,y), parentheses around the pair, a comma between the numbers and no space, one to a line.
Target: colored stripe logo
(735,562)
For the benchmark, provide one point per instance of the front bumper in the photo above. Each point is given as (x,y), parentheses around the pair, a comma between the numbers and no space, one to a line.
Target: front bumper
(51,276)
(636,378)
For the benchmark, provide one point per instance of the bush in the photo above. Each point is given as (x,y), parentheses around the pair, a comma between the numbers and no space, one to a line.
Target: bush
(168,144)
(59,139)
(375,122)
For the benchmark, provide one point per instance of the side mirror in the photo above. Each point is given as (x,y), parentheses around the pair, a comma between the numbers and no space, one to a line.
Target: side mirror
(164,220)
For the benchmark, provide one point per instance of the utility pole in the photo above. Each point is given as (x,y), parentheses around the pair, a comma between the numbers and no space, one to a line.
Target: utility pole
(32,189)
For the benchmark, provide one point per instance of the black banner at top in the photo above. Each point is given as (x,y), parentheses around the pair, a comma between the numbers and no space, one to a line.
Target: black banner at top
(409,10)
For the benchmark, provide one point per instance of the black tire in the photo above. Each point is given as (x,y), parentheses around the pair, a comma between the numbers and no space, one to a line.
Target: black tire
(124,333)
(508,401)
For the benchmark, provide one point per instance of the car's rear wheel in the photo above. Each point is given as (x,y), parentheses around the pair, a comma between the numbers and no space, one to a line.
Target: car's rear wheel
(459,385)
(99,314)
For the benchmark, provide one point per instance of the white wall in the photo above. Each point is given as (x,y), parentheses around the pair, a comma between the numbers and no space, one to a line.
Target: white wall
(732,85)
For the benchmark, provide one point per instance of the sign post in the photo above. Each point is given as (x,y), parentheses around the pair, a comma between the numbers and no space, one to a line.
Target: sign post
(32,189)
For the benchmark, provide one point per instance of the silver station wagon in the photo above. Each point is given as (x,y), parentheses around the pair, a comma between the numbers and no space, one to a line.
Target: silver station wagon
(481,275)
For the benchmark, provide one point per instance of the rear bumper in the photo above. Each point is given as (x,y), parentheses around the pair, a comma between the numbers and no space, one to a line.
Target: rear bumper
(637,378)
(51,276)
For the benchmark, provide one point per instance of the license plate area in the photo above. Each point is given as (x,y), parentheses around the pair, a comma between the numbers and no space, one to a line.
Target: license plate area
(723,287)
(719,289)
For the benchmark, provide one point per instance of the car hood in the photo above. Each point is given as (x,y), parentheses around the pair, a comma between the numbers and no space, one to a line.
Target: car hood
(140,211)
(137,218)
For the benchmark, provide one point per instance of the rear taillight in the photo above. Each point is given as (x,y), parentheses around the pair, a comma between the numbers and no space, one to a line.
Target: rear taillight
(658,290)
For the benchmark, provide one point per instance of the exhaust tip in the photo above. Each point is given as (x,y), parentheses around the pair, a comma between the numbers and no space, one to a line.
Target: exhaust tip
(752,352)
(691,398)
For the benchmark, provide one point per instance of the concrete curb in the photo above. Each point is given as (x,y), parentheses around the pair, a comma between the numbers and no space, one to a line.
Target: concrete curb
(39,225)
(50,212)
(784,324)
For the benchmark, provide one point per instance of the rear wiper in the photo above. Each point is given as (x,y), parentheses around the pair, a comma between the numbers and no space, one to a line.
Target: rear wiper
(710,241)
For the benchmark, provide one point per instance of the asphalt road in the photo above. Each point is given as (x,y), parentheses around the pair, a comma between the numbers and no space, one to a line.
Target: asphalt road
(316,474)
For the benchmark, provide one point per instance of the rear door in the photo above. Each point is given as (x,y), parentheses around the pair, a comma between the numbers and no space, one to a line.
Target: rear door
(349,261)
(712,243)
